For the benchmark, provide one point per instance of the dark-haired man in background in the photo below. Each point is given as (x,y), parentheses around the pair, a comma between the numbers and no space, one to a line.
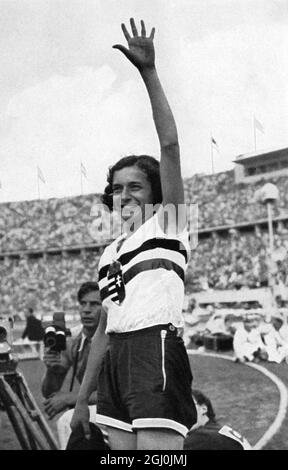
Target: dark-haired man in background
(73,358)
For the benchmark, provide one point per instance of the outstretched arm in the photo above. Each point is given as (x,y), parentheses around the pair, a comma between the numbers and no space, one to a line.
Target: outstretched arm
(90,380)
(141,54)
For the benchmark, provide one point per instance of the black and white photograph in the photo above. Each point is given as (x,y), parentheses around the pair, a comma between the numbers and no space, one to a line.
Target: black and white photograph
(144,227)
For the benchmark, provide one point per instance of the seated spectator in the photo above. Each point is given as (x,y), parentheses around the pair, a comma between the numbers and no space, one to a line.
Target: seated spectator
(247,342)
(34,330)
(192,305)
(207,433)
(275,340)
(74,358)
(192,318)
(216,324)
(229,328)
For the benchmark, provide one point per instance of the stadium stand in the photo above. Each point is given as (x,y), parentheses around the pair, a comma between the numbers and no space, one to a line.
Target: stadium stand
(48,247)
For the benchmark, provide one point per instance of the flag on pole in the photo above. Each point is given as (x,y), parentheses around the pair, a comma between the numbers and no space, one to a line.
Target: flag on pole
(83,170)
(258,125)
(40,175)
(214,143)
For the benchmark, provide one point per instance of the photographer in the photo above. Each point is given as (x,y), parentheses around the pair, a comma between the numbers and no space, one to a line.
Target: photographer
(74,357)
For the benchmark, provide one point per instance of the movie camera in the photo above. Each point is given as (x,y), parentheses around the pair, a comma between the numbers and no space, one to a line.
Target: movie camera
(56,333)
(16,399)
(8,361)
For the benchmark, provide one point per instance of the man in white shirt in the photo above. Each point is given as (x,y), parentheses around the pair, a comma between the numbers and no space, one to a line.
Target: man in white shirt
(276,340)
(247,343)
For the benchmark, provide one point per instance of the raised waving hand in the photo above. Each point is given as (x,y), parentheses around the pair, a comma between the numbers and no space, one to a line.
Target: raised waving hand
(141,54)
(140,49)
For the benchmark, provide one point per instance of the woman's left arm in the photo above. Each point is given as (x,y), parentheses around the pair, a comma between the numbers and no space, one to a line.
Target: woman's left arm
(142,55)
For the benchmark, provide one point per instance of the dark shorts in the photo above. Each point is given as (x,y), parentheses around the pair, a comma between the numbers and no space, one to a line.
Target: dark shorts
(145,381)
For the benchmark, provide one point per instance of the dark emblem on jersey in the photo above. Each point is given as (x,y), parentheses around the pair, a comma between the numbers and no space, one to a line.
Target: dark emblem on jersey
(116,287)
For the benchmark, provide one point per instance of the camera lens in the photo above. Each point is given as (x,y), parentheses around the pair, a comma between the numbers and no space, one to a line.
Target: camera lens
(61,340)
(50,337)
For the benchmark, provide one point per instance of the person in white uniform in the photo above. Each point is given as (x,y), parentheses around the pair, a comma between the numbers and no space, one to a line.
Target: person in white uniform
(275,340)
(248,344)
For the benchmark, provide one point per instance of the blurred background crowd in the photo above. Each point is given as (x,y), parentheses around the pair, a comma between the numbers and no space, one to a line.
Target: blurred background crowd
(49,247)
(222,202)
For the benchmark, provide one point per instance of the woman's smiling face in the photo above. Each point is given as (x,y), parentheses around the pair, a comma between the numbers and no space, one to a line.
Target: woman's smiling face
(131,190)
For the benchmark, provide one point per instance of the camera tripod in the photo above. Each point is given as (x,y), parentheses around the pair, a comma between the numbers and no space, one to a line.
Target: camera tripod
(30,426)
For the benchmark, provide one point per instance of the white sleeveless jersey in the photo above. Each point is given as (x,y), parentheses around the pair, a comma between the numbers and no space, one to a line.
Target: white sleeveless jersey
(142,284)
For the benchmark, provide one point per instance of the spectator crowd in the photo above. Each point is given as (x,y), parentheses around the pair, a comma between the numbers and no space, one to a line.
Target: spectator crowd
(235,260)
(53,281)
(51,223)
(222,202)
(43,224)
(228,259)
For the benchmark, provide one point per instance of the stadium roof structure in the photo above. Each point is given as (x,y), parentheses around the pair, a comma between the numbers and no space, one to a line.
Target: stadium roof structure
(243,158)
(253,166)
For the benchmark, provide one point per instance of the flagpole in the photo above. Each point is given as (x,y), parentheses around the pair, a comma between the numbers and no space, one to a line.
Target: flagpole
(81,178)
(38,185)
(212,156)
(254,133)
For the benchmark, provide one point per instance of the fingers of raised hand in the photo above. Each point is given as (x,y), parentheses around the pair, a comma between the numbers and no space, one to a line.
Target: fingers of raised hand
(133,27)
(134,30)
(143,29)
(125,32)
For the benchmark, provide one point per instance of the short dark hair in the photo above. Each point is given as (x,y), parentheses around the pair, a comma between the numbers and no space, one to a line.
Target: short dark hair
(201,399)
(149,165)
(86,288)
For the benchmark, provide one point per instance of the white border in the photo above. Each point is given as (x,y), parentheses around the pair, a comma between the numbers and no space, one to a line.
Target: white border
(283,403)
(114,423)
(142,423)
